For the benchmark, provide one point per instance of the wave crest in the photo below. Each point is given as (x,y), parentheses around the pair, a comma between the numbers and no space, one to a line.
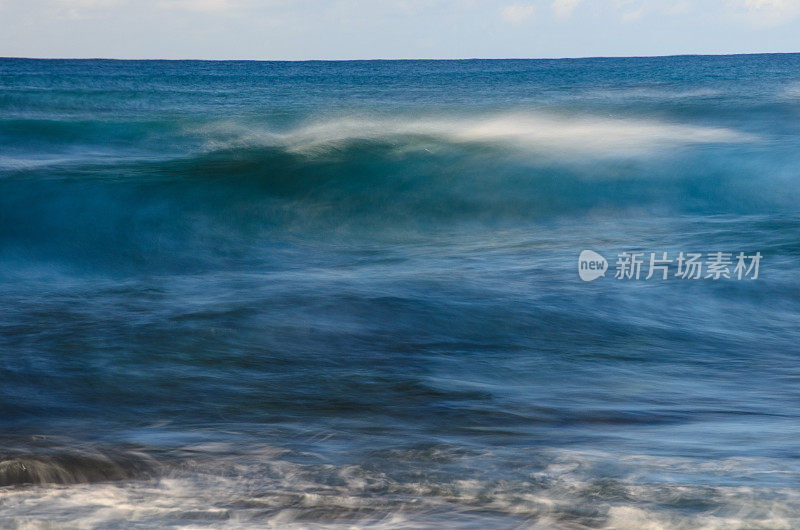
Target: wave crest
(522,130)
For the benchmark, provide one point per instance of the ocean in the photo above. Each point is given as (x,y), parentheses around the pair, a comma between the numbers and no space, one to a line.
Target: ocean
(349,294)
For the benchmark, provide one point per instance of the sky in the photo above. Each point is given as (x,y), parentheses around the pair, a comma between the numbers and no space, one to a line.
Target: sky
(394,29)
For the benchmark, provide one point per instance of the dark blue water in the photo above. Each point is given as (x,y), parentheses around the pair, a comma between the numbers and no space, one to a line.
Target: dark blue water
(347,293)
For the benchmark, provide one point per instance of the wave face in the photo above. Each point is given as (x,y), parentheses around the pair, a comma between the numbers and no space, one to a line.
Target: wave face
(345,294)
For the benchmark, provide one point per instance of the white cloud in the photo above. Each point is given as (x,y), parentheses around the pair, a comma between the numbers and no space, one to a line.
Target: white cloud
(517,13)
(767,12)
(79,9)
(679,7)
(198,5)
(775,5)
(630,10)
(564,8)
(89,4)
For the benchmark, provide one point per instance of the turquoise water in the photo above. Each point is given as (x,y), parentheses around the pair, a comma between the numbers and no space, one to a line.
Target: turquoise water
(346,293)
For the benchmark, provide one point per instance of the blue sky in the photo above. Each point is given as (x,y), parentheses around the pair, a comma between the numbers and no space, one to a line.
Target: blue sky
(352,29)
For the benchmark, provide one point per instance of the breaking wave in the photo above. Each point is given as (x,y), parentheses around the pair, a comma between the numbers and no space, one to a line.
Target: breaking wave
(538,132)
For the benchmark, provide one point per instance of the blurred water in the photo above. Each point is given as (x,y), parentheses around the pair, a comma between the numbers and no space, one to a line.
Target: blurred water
(346,293)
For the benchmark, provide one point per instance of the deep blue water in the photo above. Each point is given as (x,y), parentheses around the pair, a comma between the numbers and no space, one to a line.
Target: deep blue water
(347,293)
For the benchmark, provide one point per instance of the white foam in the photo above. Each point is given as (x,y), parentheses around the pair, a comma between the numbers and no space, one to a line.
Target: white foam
(520,130)
(658,93)
(267,492)
(790,93)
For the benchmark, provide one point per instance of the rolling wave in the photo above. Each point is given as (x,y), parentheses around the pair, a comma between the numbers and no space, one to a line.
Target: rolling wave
(233,183)
(538,132)
(543,135)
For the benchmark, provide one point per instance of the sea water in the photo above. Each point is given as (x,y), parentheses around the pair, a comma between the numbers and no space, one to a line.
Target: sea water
(347,293)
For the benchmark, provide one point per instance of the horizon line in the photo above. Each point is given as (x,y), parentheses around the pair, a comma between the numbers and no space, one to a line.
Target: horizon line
(566,58)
